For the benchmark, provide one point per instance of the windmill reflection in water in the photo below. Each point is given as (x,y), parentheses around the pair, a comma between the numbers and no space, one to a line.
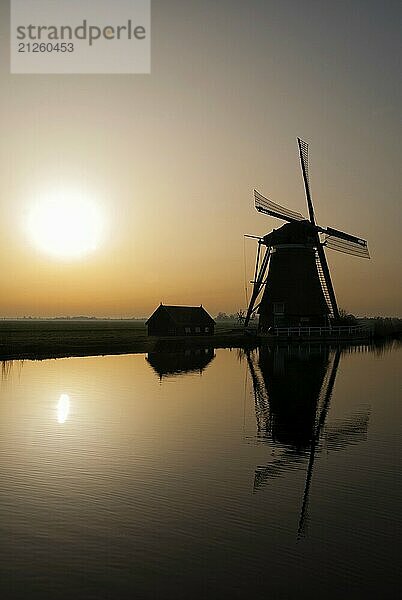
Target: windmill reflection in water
(292,388)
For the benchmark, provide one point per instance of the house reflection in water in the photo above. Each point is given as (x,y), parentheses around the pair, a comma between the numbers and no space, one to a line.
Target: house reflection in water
(293,386)
(180,361)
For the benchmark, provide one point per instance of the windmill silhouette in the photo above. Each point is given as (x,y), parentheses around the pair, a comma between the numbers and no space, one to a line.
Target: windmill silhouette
(292,277)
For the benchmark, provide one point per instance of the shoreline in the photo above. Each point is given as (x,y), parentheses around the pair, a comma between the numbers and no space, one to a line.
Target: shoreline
(51,340)
(41,340)
(44,351)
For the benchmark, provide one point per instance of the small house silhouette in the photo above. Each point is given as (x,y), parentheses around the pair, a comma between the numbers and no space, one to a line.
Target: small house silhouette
(180,321)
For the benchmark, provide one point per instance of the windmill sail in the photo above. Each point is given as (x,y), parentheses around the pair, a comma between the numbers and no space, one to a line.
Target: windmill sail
(259,281)
(303,147)
(329,294)
(344,242)
(268,207)
(303,150)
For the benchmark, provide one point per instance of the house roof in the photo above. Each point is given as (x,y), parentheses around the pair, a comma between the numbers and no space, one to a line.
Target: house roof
(185,315)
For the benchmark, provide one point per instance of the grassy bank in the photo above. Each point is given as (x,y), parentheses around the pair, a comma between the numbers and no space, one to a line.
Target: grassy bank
(384,327)
(39,339)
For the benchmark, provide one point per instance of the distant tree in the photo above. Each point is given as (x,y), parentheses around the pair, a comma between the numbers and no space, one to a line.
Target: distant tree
(241,317)
(346,318)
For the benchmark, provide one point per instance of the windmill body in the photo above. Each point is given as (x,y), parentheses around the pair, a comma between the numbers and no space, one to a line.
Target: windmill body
(293,294)
(292,285)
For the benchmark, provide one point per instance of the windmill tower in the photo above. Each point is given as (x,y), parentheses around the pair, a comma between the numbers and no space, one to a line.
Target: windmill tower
(292,284)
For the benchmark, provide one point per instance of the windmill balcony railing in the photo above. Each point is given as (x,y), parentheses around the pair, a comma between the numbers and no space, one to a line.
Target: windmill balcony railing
(335,331)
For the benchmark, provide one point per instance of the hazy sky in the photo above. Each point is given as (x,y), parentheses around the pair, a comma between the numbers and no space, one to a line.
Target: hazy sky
(172,157)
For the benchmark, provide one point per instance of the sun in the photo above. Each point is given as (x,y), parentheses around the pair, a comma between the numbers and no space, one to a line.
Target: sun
(65,224)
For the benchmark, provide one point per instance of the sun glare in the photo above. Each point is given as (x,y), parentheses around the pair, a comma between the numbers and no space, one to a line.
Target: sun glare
(63,408)
(66,225)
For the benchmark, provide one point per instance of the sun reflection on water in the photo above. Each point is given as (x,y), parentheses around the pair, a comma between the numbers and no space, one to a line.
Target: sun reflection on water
(63,408)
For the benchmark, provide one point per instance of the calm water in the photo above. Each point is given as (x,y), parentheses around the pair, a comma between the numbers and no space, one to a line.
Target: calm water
(212,474)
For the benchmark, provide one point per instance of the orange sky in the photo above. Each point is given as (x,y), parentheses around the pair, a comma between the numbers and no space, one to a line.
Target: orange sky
(172,157)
